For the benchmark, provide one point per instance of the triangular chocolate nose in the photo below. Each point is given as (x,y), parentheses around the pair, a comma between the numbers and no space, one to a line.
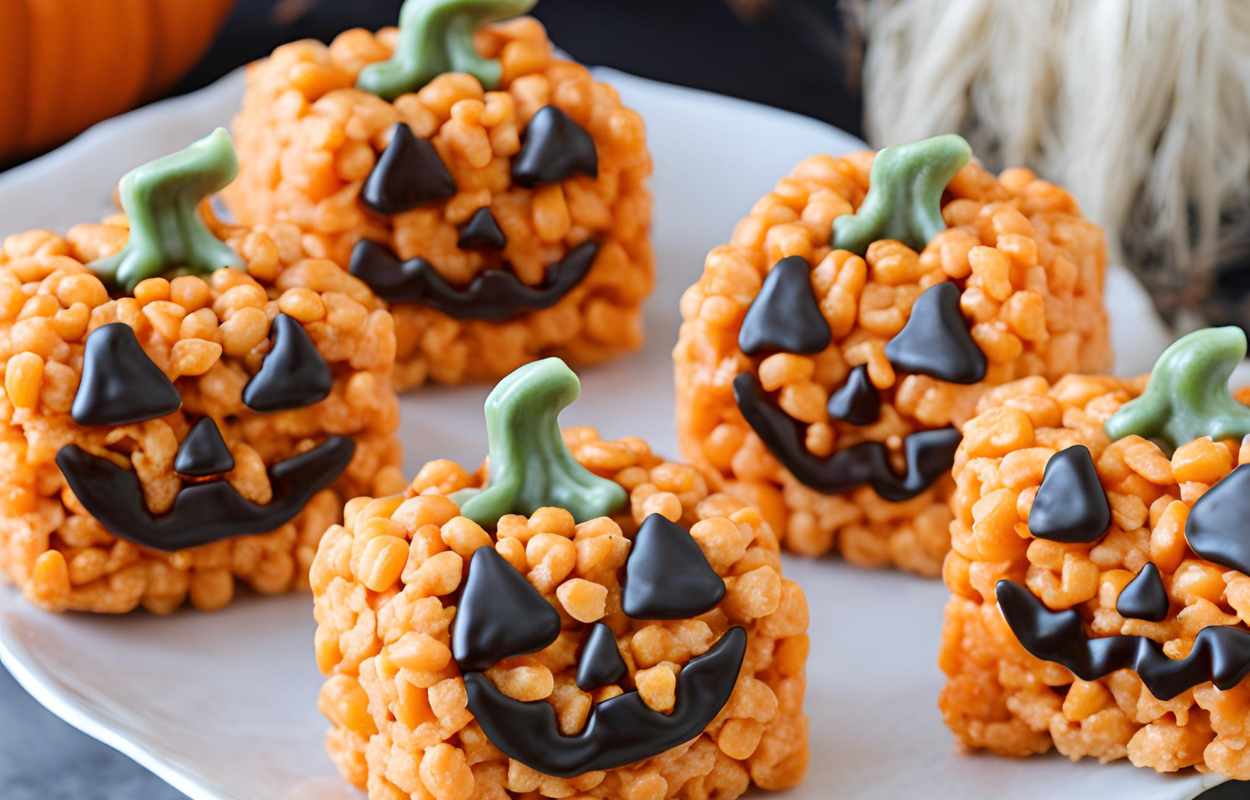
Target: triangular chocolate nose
(1070,505)
(294,374)
(555,147)
(785,317)
(482,231)
(857,401)
(203,452)
(500,615)
(936,342)
(120,384)
(408,174)
(1144,597)
(667,576)
(600,662)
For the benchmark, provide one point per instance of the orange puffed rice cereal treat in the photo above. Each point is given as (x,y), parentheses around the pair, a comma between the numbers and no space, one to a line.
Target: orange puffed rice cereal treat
(516,200)
(633,639)
(823,374)
(164,441)
(1099,568)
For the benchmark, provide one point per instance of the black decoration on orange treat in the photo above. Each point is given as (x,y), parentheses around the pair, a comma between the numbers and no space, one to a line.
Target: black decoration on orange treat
(619,731)
(482,231)
(554,148)
(294,374)
(929,454)
(120,385)
(1144,597)
(936,342)
(785,317)
(203,513)
(408,174)
(1216,528)
(203,452)
(1221,653)
(495,294)
(667,576)
(856,401)
(500,614)
(600,662)
(1070,505)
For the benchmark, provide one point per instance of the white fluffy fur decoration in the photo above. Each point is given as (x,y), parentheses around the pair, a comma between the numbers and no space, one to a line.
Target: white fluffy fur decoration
(1141,108)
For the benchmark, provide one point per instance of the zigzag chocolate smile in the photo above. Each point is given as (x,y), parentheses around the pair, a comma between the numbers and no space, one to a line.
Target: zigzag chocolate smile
(495,294)
(204,512)
(929,454)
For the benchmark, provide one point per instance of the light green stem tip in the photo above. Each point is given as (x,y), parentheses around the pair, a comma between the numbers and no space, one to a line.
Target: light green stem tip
(167,232)
(436,37)
(530,466)
(1187,396)
(904,200)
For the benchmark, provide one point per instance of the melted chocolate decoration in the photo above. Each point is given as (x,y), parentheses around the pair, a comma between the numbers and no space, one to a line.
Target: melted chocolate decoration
(1216,529)
(1070,505)
(667,576)
(203,452)
(857,401)
(482,231)
(205,512)
(120,384)
(294,374)
(929,454)
(493,295)
(600,662)
(1221,654)
(936,342)
(408,174)
(500,614)
(554,148)
(619,731)
(785,317)
(1144,597)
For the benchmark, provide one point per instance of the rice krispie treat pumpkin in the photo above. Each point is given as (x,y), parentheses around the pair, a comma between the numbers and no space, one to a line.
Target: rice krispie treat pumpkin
(1101,569)
(491,191)
(579,618)
(184,407)
(831,351)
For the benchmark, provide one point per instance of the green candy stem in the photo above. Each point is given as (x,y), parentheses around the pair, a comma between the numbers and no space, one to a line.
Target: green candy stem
(530,466)
(1187,396)
(904,200)
(167,233)
(436,37)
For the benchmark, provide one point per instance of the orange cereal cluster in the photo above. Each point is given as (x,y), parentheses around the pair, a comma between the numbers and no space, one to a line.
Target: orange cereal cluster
(208,335)
(1000,697)
(386,585)
(308,139)
(1030,274)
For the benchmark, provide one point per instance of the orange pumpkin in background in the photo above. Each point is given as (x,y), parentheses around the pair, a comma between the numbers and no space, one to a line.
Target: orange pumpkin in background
(67,64)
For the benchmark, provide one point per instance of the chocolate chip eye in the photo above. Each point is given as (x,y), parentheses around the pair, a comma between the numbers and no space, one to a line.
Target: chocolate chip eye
(936,342)
(1144,597)
(203,452)
(482,231)
(408,174)
(1070,505)
(1216,526)
(555,147)
(600,662)
(667,576)
(120,384)
(294,374)
(785,316)
(500,615)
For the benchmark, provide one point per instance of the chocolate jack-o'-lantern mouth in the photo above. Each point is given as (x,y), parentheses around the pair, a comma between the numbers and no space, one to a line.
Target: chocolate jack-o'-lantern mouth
(203,512)
(495,294)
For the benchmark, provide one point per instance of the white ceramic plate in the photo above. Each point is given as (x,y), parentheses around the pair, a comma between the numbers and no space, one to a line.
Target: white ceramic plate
(222,705)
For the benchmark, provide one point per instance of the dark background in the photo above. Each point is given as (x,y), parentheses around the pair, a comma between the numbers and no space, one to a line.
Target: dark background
(798,55)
